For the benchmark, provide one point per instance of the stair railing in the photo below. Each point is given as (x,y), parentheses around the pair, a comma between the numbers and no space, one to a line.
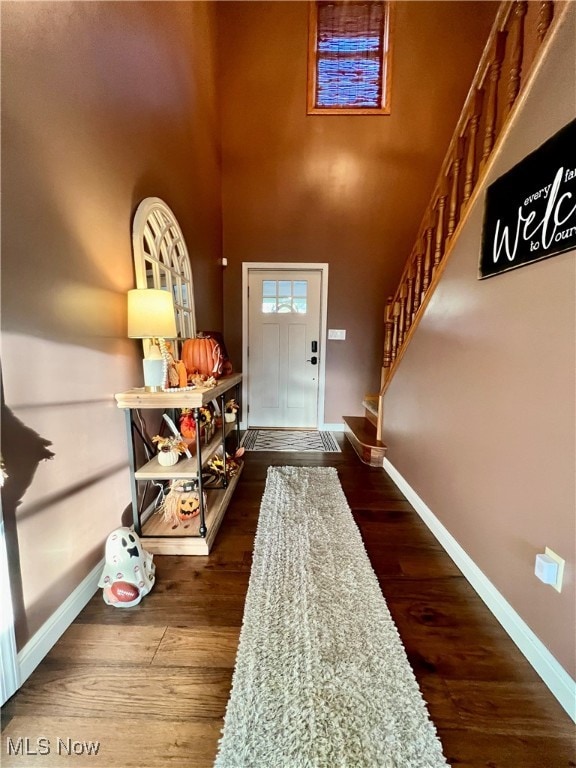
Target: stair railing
(512,48)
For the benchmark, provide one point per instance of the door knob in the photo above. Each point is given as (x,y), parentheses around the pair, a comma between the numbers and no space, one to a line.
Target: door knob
(313,360)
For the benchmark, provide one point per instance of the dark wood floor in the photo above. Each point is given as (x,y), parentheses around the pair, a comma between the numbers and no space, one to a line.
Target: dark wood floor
(151,683)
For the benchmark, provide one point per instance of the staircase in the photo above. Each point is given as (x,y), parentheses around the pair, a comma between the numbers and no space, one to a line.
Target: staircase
(514,47)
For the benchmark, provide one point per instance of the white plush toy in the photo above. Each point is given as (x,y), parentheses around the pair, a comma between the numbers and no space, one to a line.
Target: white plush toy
(128,574)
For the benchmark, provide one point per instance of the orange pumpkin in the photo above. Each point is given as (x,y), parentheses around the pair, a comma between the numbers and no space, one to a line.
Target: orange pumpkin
(203,356)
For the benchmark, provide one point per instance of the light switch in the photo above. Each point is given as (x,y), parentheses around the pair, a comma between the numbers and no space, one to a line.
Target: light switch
(336,335)
(546,569)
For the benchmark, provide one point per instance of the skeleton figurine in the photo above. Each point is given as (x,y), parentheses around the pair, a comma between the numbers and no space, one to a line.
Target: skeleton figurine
(128,574)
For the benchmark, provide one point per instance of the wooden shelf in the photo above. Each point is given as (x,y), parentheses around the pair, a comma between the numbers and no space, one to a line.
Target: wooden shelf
(163,538)
(179,537)
(185,468)
(194,398)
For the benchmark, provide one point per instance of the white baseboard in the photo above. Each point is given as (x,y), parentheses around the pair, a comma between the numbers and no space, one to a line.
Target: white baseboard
(51,631)
(9,668)
(561,685)
(336,427)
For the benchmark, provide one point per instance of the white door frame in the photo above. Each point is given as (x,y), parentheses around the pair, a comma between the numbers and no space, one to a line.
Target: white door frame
(299,266)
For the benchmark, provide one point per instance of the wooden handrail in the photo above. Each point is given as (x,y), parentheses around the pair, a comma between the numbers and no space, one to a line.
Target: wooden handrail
(500,78)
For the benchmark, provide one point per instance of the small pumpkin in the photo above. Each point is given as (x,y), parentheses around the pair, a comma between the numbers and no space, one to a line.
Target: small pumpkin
(167,458)
(181,503)
(204,356)
(188,506)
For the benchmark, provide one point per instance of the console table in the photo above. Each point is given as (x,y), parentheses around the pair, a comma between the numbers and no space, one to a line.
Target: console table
(196,536)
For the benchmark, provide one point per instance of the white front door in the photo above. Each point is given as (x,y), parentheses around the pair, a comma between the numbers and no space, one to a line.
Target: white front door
(284,347)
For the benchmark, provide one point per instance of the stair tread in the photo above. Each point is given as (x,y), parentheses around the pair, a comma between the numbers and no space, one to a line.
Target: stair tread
(370,402)
(364,431)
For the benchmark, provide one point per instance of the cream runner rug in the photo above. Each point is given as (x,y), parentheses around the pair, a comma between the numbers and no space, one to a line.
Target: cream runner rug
(321,679)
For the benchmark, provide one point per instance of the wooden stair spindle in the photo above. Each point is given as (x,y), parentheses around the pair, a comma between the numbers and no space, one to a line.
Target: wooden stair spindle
(402,315)
(427,269)
(470,167)
(494,72)
(418,280)
(545,16)
(388,331)
(395,318)
(455,187)
(439,244)
(409,298)
(517,54)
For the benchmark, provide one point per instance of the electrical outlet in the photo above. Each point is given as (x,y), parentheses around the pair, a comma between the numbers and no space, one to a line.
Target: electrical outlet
(558,585)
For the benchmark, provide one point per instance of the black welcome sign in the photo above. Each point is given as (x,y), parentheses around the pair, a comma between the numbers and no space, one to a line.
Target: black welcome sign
(530,212)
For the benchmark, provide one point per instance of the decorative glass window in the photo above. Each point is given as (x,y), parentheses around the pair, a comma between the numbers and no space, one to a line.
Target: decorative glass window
(284,296)
(161,259)
(349,58)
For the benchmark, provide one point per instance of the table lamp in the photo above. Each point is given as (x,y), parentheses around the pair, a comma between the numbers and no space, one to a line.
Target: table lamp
(151,316)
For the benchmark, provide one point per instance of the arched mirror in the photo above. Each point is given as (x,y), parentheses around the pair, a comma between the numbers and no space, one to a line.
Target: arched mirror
(161,260)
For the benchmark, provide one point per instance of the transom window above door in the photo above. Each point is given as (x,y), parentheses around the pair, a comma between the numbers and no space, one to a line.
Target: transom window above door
(349,57)
(284,296)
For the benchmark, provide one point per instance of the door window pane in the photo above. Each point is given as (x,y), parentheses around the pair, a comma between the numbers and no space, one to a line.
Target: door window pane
(283,296)
(300,287)
(300,306)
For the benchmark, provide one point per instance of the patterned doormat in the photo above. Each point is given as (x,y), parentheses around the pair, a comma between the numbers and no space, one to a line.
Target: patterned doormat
(289,440)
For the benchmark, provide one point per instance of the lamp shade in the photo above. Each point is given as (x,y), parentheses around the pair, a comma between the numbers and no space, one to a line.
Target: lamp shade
(151,314)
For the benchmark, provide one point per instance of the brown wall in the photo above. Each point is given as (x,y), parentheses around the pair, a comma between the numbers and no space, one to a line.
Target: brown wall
(480,418)
(344,190)
(103,104)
